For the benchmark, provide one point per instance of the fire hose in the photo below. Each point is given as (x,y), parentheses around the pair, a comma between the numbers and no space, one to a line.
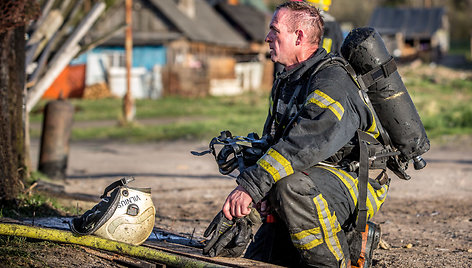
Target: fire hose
(104,244)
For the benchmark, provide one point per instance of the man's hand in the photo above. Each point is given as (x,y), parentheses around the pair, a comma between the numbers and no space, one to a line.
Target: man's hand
(237,203)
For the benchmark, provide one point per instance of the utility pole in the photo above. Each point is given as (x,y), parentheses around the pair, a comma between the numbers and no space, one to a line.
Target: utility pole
(128,102)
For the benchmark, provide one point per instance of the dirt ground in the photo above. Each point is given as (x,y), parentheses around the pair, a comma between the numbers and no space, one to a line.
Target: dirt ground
(426,222)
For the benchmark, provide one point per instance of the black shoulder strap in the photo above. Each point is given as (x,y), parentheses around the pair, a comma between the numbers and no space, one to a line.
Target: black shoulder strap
(379,72)
(281,130)
(363,179)
(275,95)
(363,93)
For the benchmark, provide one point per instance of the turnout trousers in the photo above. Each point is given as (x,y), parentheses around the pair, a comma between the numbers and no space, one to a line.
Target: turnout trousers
(315,209)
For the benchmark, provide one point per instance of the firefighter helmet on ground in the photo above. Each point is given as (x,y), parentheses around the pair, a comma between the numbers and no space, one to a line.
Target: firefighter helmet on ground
(127,215)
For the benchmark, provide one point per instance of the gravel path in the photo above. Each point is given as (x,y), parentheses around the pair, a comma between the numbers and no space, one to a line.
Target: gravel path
(427,221)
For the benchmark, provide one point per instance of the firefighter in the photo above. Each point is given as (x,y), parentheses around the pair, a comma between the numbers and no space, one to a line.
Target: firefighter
(309,201)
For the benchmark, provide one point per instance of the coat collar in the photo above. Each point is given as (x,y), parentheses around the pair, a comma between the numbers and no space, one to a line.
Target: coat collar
(299,70)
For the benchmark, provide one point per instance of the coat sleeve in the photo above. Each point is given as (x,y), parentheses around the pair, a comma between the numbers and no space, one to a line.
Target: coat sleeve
(328,121)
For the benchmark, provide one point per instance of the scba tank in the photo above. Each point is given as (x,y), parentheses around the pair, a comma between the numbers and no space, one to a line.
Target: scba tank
(365,50)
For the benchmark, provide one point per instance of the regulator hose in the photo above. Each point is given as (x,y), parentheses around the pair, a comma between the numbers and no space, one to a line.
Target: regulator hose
(104,244)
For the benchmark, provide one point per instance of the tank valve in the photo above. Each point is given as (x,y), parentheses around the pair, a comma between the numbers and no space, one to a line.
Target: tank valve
(419,163)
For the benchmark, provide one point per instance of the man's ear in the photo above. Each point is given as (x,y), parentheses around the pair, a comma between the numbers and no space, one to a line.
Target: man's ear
(300,36)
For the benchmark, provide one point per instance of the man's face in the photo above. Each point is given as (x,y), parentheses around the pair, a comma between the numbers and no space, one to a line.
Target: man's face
(281,42)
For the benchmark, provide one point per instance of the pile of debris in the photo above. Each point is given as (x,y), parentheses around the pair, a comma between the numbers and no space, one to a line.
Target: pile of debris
(97,91)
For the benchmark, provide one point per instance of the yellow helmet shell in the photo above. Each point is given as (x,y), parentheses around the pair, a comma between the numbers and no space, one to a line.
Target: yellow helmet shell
(321,4)
(133,220)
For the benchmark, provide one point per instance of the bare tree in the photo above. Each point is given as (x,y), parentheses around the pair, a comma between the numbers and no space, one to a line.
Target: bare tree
(12,82)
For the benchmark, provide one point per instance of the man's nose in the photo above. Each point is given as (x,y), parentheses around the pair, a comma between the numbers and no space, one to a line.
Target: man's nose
(267,38)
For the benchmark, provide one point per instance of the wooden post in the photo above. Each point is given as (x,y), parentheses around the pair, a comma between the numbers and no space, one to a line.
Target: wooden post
(55,134)
(427,4)
(128,102)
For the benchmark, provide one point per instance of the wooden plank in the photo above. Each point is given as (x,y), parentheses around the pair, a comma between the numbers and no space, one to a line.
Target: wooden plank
(221,68)
(62,57)
(196,253)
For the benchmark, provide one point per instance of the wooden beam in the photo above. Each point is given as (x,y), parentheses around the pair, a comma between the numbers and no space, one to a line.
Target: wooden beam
(63,56)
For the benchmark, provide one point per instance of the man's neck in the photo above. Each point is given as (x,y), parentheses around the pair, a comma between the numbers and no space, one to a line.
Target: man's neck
(303,56)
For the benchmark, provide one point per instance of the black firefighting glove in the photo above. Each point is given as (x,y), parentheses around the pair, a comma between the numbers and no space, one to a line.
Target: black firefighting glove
(230,237)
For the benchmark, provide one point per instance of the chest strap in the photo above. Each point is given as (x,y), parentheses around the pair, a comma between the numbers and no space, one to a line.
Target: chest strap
(363,180)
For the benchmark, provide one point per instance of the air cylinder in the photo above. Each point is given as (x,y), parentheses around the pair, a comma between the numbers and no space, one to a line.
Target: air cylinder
(365,50)
(55,135)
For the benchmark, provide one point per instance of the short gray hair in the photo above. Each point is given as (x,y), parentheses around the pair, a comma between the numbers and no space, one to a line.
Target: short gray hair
(305,16)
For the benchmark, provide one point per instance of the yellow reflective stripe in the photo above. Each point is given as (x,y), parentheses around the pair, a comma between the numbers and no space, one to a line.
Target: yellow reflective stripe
(284,162)
(377,202)
(375,198)
(382,193)
(355,81)
(348,180)
(370,208)
(270,169)
(327,43)
(307,239)
(275,164)
(330,226)
(324,101)
(378,196)
(373,128)
(332,102)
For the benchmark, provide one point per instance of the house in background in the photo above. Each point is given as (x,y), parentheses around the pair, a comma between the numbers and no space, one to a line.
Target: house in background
(413,32)
(250,67)
(181,47)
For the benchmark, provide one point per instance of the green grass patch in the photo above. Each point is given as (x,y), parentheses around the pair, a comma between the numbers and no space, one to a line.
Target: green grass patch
(461,47)
(33,205)
(176,118)
(18,251)
(111,109)
(442,96)
(191,129)
(444,104)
